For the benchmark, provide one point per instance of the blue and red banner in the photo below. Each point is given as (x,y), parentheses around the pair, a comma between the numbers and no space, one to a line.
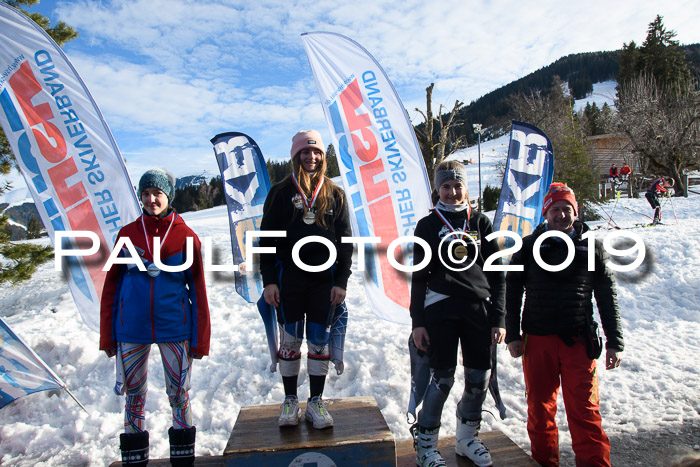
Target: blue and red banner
(528,174)
(64,150)
(246,184)
(380,162)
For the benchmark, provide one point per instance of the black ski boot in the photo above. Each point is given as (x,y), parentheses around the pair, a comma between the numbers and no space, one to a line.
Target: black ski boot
(182,446)
(134,447)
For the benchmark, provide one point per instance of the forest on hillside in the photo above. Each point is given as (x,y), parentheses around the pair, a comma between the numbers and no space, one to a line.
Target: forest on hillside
(580,71)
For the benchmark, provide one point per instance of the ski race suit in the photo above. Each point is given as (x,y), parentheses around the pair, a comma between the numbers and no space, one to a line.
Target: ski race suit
(169,309)
(304,294)
(558,339)
(456,307)
(655,189)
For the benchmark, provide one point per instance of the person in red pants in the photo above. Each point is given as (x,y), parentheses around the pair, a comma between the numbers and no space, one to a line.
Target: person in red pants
(559,342)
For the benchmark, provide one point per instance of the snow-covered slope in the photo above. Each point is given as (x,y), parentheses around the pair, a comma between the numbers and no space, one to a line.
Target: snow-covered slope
(656,388)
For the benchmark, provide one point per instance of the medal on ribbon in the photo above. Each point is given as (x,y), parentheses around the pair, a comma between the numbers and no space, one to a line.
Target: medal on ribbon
(152,270)
(460,251)
(309,214)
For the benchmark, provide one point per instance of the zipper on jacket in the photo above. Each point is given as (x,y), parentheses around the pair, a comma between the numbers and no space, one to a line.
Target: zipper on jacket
(121,310)
(153,320)
(184,313)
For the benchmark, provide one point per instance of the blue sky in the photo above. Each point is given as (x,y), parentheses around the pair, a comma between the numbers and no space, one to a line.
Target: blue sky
(170,74)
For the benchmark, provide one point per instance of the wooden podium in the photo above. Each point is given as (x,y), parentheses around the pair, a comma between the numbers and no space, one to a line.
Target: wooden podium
(504,452)
(360,437)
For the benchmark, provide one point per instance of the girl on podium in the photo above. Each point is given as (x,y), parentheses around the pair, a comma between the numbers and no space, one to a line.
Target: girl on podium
(305,204)
(145,305)
(454,304)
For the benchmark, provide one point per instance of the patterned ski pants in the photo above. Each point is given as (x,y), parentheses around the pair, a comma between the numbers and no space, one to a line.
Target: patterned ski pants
(176,368)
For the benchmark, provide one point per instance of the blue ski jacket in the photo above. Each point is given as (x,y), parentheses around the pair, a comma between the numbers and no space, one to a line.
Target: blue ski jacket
(138,307)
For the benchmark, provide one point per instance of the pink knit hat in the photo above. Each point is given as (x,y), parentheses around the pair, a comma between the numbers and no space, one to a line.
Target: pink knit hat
(307,139)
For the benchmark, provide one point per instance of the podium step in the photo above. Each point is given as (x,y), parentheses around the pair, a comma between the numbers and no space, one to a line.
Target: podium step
(360,437)
(503,452)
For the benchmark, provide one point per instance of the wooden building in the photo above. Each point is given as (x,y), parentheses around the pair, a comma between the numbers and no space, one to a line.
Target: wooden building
(609,149)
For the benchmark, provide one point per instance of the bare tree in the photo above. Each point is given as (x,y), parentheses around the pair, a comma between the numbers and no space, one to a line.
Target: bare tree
(552,112)
(663,124)
(547,110)
(434,151)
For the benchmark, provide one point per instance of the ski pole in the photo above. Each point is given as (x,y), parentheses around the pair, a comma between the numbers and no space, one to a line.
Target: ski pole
(670,198)
(617,198)
(607,215)
(637,212)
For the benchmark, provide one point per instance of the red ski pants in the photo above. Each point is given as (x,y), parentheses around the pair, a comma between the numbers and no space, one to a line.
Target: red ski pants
(546,362)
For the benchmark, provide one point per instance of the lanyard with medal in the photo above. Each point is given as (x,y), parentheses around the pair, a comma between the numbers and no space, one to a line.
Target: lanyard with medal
(460,251)
(309,215)
(152,269)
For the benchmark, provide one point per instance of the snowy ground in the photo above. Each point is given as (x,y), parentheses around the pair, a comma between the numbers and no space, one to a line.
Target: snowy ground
(654,395)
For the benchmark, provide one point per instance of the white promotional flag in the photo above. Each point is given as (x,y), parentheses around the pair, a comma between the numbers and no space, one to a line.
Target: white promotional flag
(64,150)
(380,162)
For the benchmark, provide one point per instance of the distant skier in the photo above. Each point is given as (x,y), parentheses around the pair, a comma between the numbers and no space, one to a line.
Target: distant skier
(560,343)
(455,305)
(614,175)
(659,187)
(306,203)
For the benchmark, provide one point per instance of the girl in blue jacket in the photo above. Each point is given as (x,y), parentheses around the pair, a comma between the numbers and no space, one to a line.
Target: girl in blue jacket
(141,306)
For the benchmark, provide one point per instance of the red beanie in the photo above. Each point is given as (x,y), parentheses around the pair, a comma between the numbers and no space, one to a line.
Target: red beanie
(559,191)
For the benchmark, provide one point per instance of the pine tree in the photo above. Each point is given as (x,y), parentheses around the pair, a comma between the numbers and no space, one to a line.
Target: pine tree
(332,169)
(34,228)
(491,196)
(277,170)
(659,56)
(628,61)
(218,196)
(591,119)
(608,120)
(22,259)
(573,164)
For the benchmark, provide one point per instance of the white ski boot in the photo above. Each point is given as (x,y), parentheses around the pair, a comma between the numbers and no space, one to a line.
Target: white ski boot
(290,412)
(425,442)
(468,445)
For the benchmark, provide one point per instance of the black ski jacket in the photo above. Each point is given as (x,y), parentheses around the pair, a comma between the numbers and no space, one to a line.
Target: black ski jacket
(472,284)
(561,302)
(281,212)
